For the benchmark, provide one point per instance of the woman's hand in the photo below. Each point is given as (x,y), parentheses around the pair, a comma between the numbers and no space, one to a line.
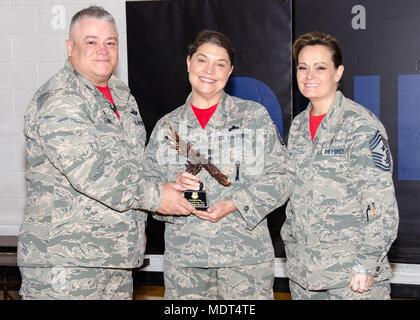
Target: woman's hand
(217,211)
(188,181)
(360,282)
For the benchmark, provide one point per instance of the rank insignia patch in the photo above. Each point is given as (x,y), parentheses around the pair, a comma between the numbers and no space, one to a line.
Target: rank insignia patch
(380,152)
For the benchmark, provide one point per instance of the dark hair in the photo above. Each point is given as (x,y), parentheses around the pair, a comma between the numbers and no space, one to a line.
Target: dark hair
(318,38)
(214,37)
(92,12)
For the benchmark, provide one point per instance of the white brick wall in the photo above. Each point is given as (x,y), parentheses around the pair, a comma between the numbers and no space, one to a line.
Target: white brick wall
(32,49)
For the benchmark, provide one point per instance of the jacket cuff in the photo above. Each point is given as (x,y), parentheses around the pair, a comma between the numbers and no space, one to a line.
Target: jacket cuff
(164,218)
(365,266)
(245,208)
(150,196)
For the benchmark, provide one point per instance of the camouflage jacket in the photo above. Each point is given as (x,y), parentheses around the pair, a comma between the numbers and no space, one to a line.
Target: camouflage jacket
(84,176)
(342,216)
(244,144)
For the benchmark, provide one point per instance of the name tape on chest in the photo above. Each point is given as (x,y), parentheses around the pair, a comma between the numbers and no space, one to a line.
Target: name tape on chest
(330,152)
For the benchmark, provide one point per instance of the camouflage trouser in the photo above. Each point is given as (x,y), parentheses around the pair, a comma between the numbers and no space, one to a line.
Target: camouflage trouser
(235,283)
(379,291)
(71,283)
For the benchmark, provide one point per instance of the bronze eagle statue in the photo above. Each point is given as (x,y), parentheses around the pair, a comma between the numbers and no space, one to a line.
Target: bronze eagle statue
(195,161)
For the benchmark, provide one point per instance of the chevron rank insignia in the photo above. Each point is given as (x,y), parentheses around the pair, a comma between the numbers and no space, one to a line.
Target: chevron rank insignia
(380,152)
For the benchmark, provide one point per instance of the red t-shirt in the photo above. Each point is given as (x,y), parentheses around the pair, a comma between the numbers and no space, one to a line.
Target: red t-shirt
(204,115)
(107,93)
(314,122)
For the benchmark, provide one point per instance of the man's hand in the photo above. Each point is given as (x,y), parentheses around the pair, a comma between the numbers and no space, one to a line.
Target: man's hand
(360,282)
(188,181)
(173,201)
(217,211)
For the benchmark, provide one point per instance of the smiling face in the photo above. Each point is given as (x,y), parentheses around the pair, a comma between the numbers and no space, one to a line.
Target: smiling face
(93,49)
(209,69)
(317,77)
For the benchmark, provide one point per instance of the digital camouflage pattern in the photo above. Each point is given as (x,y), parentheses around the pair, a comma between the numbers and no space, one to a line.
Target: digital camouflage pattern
(250,282)
(76,283)
(342,216)
(379,291)
(244,144)
(84,177)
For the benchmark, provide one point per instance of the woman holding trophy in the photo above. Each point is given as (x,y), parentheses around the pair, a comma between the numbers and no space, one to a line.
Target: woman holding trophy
(230,146)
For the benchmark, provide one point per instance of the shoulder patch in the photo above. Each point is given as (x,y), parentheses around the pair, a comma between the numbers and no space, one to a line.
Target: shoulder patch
(380,152)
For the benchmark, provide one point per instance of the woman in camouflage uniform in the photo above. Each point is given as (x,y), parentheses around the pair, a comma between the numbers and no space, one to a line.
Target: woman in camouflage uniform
(224,252)
(342,217)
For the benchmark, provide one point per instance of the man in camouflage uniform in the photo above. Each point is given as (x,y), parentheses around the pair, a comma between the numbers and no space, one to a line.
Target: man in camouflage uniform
(342,216)
(242,141)
(81,233)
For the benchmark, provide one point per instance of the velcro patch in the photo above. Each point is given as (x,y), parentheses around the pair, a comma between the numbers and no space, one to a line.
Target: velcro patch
(380,152)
